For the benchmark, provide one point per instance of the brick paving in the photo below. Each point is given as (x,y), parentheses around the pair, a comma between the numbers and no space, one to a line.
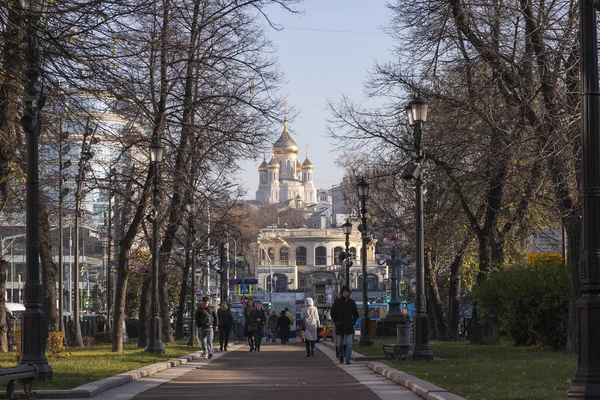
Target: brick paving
(277,371)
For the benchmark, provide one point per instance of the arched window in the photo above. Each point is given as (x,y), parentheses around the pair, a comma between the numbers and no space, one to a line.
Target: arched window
(337,252)
(284,255)
(271,253)
(301,256)
(321,255)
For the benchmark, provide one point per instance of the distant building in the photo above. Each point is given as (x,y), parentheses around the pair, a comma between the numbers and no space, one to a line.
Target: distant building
(284,179)
(309,260)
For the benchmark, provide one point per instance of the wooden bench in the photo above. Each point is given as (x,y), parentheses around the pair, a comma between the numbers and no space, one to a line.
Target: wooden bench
(25,373)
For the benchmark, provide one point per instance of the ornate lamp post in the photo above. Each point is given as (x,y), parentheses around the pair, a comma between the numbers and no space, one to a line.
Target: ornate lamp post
(33,332)
(347,257)
(586,384)
(420,350)
(155,345)
(365,334)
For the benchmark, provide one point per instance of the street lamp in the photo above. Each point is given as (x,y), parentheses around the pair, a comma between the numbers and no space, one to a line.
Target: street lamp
(33,332)
(347,257)
(363,195)
(191,209)
(155,345)
(586,384)
(416,112)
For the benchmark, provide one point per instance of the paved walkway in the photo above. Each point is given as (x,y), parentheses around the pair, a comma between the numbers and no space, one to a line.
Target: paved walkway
(277,371)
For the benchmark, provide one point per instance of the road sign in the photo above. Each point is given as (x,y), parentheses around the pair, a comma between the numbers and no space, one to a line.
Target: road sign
(244,289)
(244,300)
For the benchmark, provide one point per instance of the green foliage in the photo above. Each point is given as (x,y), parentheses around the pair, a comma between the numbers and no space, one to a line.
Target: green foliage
(529,301)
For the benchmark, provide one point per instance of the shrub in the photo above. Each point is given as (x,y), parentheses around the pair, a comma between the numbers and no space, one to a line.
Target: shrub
(88,341)
(529,301)
(56,342)
(103,337)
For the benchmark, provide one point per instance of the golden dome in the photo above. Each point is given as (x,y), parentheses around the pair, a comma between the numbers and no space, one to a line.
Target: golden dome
(273,164)
(307,164)
(263,166)
(285,144)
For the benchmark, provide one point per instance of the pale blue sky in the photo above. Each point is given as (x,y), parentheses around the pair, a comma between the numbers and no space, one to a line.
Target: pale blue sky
(324,53)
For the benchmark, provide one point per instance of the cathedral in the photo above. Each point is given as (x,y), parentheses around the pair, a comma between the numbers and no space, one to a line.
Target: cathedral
(284,179)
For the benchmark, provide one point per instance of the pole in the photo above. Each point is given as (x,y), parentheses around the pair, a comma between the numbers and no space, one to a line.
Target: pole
(61,268)
(109,249)
(420,349)
(34,329)
(76,308)
(394,308)
(154,341)
(193,341)
(586,384)
(347,261)
(365,334)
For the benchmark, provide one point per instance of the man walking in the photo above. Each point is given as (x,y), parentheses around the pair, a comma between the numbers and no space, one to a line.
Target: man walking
(344,314)
(206,321)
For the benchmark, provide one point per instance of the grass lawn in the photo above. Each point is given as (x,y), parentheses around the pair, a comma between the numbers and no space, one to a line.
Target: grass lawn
(502,372)
(83,365)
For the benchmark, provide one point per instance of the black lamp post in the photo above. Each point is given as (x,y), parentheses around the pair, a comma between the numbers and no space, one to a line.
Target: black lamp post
(365,334)
(33,332)
(155,345)
(586,384)
(347,256)
(420,350)
(193,340)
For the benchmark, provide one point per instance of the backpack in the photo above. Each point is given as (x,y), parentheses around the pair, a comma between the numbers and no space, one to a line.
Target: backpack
(204,317)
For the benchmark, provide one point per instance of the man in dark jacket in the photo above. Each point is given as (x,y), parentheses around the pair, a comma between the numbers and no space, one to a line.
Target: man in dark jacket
(206,321)
(344,314)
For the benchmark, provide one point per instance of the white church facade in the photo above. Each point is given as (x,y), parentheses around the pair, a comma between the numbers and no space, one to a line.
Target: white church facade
(284,179)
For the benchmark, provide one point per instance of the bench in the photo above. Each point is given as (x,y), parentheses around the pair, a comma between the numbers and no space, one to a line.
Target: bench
(395,351)
(25,373)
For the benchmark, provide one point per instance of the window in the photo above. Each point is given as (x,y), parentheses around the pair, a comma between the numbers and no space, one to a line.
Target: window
(301,256)
(271,254)
(337,252)
(284,254)
(321,255)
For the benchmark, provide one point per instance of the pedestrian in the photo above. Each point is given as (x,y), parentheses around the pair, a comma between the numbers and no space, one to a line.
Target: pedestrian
(225,322)
(344,314)
(283,327)
(310,319)
(272,323)
(249,324)
(260,317)
(206,321)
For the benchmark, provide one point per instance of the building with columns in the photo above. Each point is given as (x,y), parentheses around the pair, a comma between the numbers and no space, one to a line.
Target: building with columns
(309,260)
(284,179)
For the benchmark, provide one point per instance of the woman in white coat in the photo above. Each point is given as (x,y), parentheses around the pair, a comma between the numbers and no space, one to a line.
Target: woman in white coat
(310,317)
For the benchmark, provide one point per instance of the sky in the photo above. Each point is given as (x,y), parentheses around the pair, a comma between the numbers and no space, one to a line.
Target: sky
(324,53)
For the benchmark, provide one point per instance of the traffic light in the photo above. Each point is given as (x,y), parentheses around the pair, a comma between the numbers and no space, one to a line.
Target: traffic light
(404,305)
(388,296)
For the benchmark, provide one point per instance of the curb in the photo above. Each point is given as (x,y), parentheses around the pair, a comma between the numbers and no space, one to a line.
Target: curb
(423,388)
(92,389)
(426,390)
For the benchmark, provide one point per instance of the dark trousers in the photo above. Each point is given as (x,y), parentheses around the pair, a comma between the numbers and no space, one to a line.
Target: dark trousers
(310,345)
(224,336)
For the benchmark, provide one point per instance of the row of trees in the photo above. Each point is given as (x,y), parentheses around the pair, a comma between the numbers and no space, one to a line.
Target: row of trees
(501,142)
(196,75)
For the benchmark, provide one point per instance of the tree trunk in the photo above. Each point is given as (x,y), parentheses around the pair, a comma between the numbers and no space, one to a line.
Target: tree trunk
(483,332)
(454,298)
(3,324)
(49,271)
(183,296)
(146,298)
(119,308)
(573,234)
(167,330)
(435,301)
